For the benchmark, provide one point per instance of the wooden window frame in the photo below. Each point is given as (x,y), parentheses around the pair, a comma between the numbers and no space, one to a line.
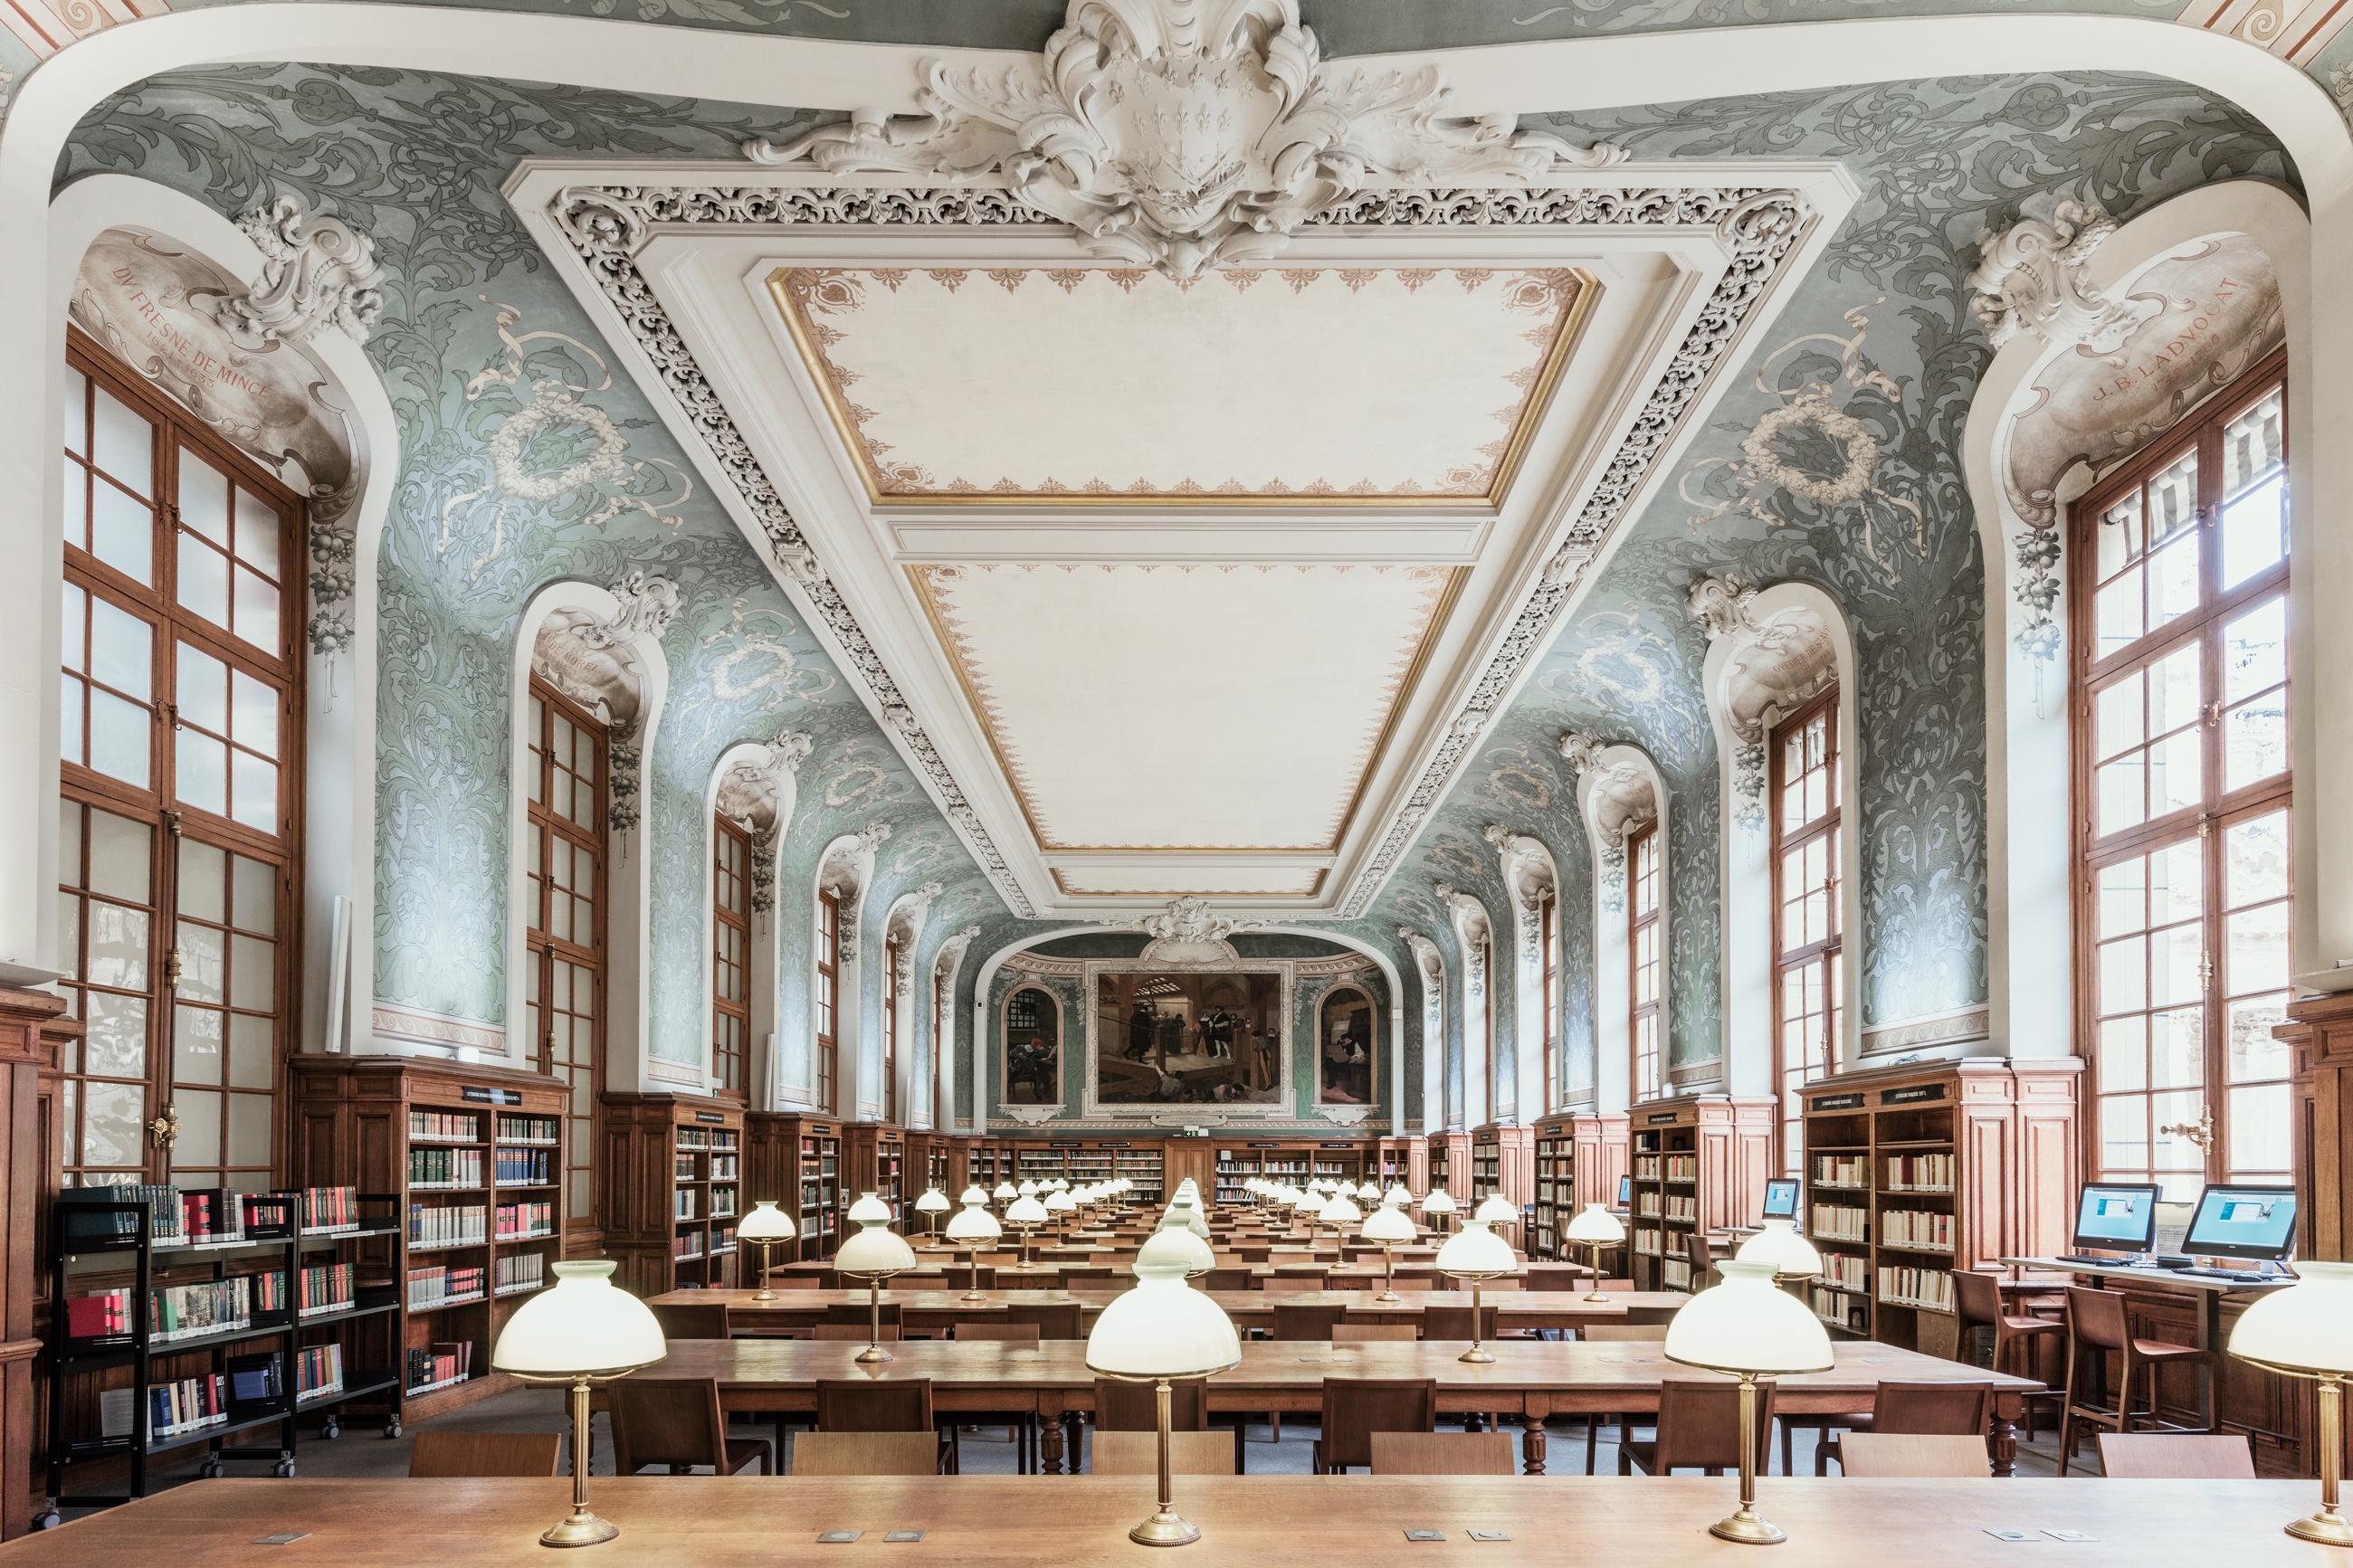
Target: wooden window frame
(543,949)
(729,1067)
(939,1011)
(1827,954)
(157,805)
(1548,934)
(890,1095)
(2218,809)
(826,1037)
(1639,1087)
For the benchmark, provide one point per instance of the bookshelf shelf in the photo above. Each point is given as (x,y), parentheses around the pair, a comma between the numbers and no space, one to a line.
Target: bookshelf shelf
(671,1188)
(1699,1165)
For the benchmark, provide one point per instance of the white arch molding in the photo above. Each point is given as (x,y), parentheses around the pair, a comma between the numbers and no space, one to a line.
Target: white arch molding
(847,865)
(2030,857)
(947,963)
(1475,939)
(1531,878)
(767,957)
(902,935)
(1612,767)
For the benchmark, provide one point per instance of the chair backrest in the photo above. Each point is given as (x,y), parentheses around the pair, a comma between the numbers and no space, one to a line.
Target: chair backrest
(454,1456)
(1367,1334)
(1977,1297)
(1307,1320)
(1931,1409)
(1621,1333)
(1052,1320)
(1913,1454)
(1095,1272)
(1443,1454)
(865,1453)
(1414,1283)
(855,1332)
(1702,1255)
(1236,1277)
(1133,1406)
(1356,1407)
(2176,1457)
(984,1279)
(1007,1258)
(1516,1282)
(1291,1284)
(1556,1276)
(802,1281)
(1125,1453)
(989,1329)
(873,1405)
(1699,1424)
(667,1421)
(1455,1322)
(690,1319)
(2097,1317)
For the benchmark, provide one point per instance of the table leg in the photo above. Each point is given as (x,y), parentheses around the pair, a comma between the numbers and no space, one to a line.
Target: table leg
(1532,1442)
(2209,1327)
(2001,1444)
(1050,1443)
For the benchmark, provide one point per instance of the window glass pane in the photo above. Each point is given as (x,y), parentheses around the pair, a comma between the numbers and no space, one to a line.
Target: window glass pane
(77,412)
(2255,650)
(70,721)
(124,444)
(2176,689)
(118,856)
(2174,956)
(252,974)
(203,764)
(2173,587)
(113,1115)
(2255,443)
(2259,1128)
(2124,1052)
(2179,889)
(2177,773)
(2254,1054)
(2254,740)
(73,510)
(248,1130)
(2177,1048)
(119,941)
(2123,1132)
(121,650)
(257,527)
(256,715)
(256,610)
(204,497)
(2118,786)
(2254,531)
(199,1144)
(203,690)
(252,1061)
(2173,500)
(2116,716)
(203,880)
(253,790)
(196,1042)
(203,580)
(116,1046)
(121,531)
(203,963)
(2254,860)
(2124,976)
(2255,950)
(119,734)
(2117,614)
(257,896)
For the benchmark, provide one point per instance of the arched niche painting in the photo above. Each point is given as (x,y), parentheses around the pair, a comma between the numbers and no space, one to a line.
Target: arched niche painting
(1188,1036)
(1033,1047)
(1345,1047)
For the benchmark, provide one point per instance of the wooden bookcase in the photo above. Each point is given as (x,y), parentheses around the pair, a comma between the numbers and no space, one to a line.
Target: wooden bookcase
(1913,1172)
(364,1121)
(1291,1160)
(1700,1162)
(989,1162)
(1076,1160)
(671,1189)
(800,1159)
(1503,1161)
(878,1164)
(1580,1155)
(1403,1159)
(937,1160)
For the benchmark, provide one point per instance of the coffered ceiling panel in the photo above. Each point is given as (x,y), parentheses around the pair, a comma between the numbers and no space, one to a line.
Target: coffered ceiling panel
(1168,882)
(1104,386)
(1133,708)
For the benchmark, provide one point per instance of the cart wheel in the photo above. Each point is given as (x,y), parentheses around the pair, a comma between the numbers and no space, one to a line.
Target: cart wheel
(392,1426)
(283,1469)
(211,1470)
(49,1519)
(330,1429)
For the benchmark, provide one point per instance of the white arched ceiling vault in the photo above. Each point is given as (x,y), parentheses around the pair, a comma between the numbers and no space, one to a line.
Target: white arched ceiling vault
(1702,62)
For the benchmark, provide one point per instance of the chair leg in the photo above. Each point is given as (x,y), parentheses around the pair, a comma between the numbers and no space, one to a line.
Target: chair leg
(1787,1464)
(1592,1439)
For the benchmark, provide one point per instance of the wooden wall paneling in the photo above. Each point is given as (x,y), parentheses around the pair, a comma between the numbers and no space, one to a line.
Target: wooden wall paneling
(25,1043)
(1193,1157)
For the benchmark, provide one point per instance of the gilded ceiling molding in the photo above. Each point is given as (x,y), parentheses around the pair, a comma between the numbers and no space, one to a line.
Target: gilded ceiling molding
(2031,277)
(315,272)
(1180,134)
(608,226)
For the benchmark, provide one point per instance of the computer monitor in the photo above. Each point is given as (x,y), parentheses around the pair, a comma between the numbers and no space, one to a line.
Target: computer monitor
(2116,1216)
(2234,1221)
(1625,1192)
(1781,1198)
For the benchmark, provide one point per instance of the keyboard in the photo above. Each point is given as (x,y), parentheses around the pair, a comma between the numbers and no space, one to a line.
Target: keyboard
(2094,1262)
(2242,1274)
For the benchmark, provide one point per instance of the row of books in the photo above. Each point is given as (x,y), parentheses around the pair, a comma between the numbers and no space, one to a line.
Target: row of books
(1840,1222)
(723,1239)
(705,1137)
(318,1369)
(165,1219)
(1918,1227)
(722,1167)
(212,1215)
(330,1208)
(1842,1171)
(445,1126)
(439,1285)
(1672,1168)
(529,1129)
(1919,1173)
(687,1248)
(1916,1287)
(1843,1268)
(443,1360)
(1675,1273)
(324,1287)
(521,1221)
(174,1409)
(525,1167)
(456,1226)
(1840,1310)
(685,1168)
(1682,1207)
(519,1271)
(723,1202)
(444,1167)
(682,1202)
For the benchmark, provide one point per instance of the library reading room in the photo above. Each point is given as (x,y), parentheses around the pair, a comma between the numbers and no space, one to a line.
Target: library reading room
(1005,783)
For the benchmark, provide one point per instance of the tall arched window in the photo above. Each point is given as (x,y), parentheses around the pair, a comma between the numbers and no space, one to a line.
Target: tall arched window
(894,955)
(2180,726)
(1643,958)
(731,955)
(564,990)
(1550,935)
(939,1045)
(180,731)
(827,1000)
(1807,978)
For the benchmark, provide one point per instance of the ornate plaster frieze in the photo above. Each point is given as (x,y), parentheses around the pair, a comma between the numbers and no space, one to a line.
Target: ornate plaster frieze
(1528,872)
(2031,277)
(1346,966)
(1777,662)
(1180,134)
(1037,964)
(1030,1115)
(751,794)
(1426,956)
(1580,751)
(1721,606)
(1759,227)
(315,272)
(1473,929)
(1344,1115)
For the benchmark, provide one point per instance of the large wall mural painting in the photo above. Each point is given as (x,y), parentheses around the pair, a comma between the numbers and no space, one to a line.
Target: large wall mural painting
(1189,1038)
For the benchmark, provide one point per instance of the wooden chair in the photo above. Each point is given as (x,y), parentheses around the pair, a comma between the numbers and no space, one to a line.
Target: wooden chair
(800,1281)
(1123,1453)
(1557,1276)
(2176,1457)
(1908,1410)
(1414,1283)
(1443,1454)
(873,1404)
(2098,1326)
(865,1453)
(1234,1278)
(855,1332)
(691,1320)
(1698,1428)
(1052,1320)
(1291,1284)
(456,1456)
(1307,1320)
(2019,1339)
(676,1422)
(1020,1425)
(1367,1334)
(1702,1259)
(988,1329)
(1454,1323)
(1912,1456)
(1356,1407)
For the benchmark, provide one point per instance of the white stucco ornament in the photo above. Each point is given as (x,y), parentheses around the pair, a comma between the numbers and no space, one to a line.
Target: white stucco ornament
(2031,277)
(315,272)
(1179,134)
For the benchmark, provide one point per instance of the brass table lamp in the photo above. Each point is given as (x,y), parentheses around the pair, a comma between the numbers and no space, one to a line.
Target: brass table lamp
(1749,1327)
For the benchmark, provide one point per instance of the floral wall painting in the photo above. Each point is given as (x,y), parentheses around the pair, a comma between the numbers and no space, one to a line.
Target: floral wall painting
(1347,1047)
(1033,1047)
(1189,1038)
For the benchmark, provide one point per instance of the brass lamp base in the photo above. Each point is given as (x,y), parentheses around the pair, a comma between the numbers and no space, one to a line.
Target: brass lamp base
(872,1354)
(1476,1354)
(2327,1527)
(763,1294)
(1164,1528)
(1388,1298)
(582,1528)
(1749,1529)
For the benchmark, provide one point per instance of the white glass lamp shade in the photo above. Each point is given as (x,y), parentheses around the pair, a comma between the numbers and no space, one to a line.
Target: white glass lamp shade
(1060,1203)
(2306,1327)
(934,1201)
(1476,1252)
(1026,1210)
(1059,1183)
(1744,1324)
(875,1250)
(1369,1192)
(1496,1209)
(1596,1222)
(974,1194)
(1162,1327)
(1006,1192)
(869,1210)
(1341,1210)
(766,1222)
(974,1223)
(1398,1194)
(1177,1241)
(1306,1198)
(1437,1201)
(1779,1245)
(1389,1223)
(586,1327)
(1027,1190)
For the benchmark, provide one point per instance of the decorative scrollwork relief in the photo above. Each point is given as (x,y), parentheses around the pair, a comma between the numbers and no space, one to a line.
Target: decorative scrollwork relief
(315,272)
